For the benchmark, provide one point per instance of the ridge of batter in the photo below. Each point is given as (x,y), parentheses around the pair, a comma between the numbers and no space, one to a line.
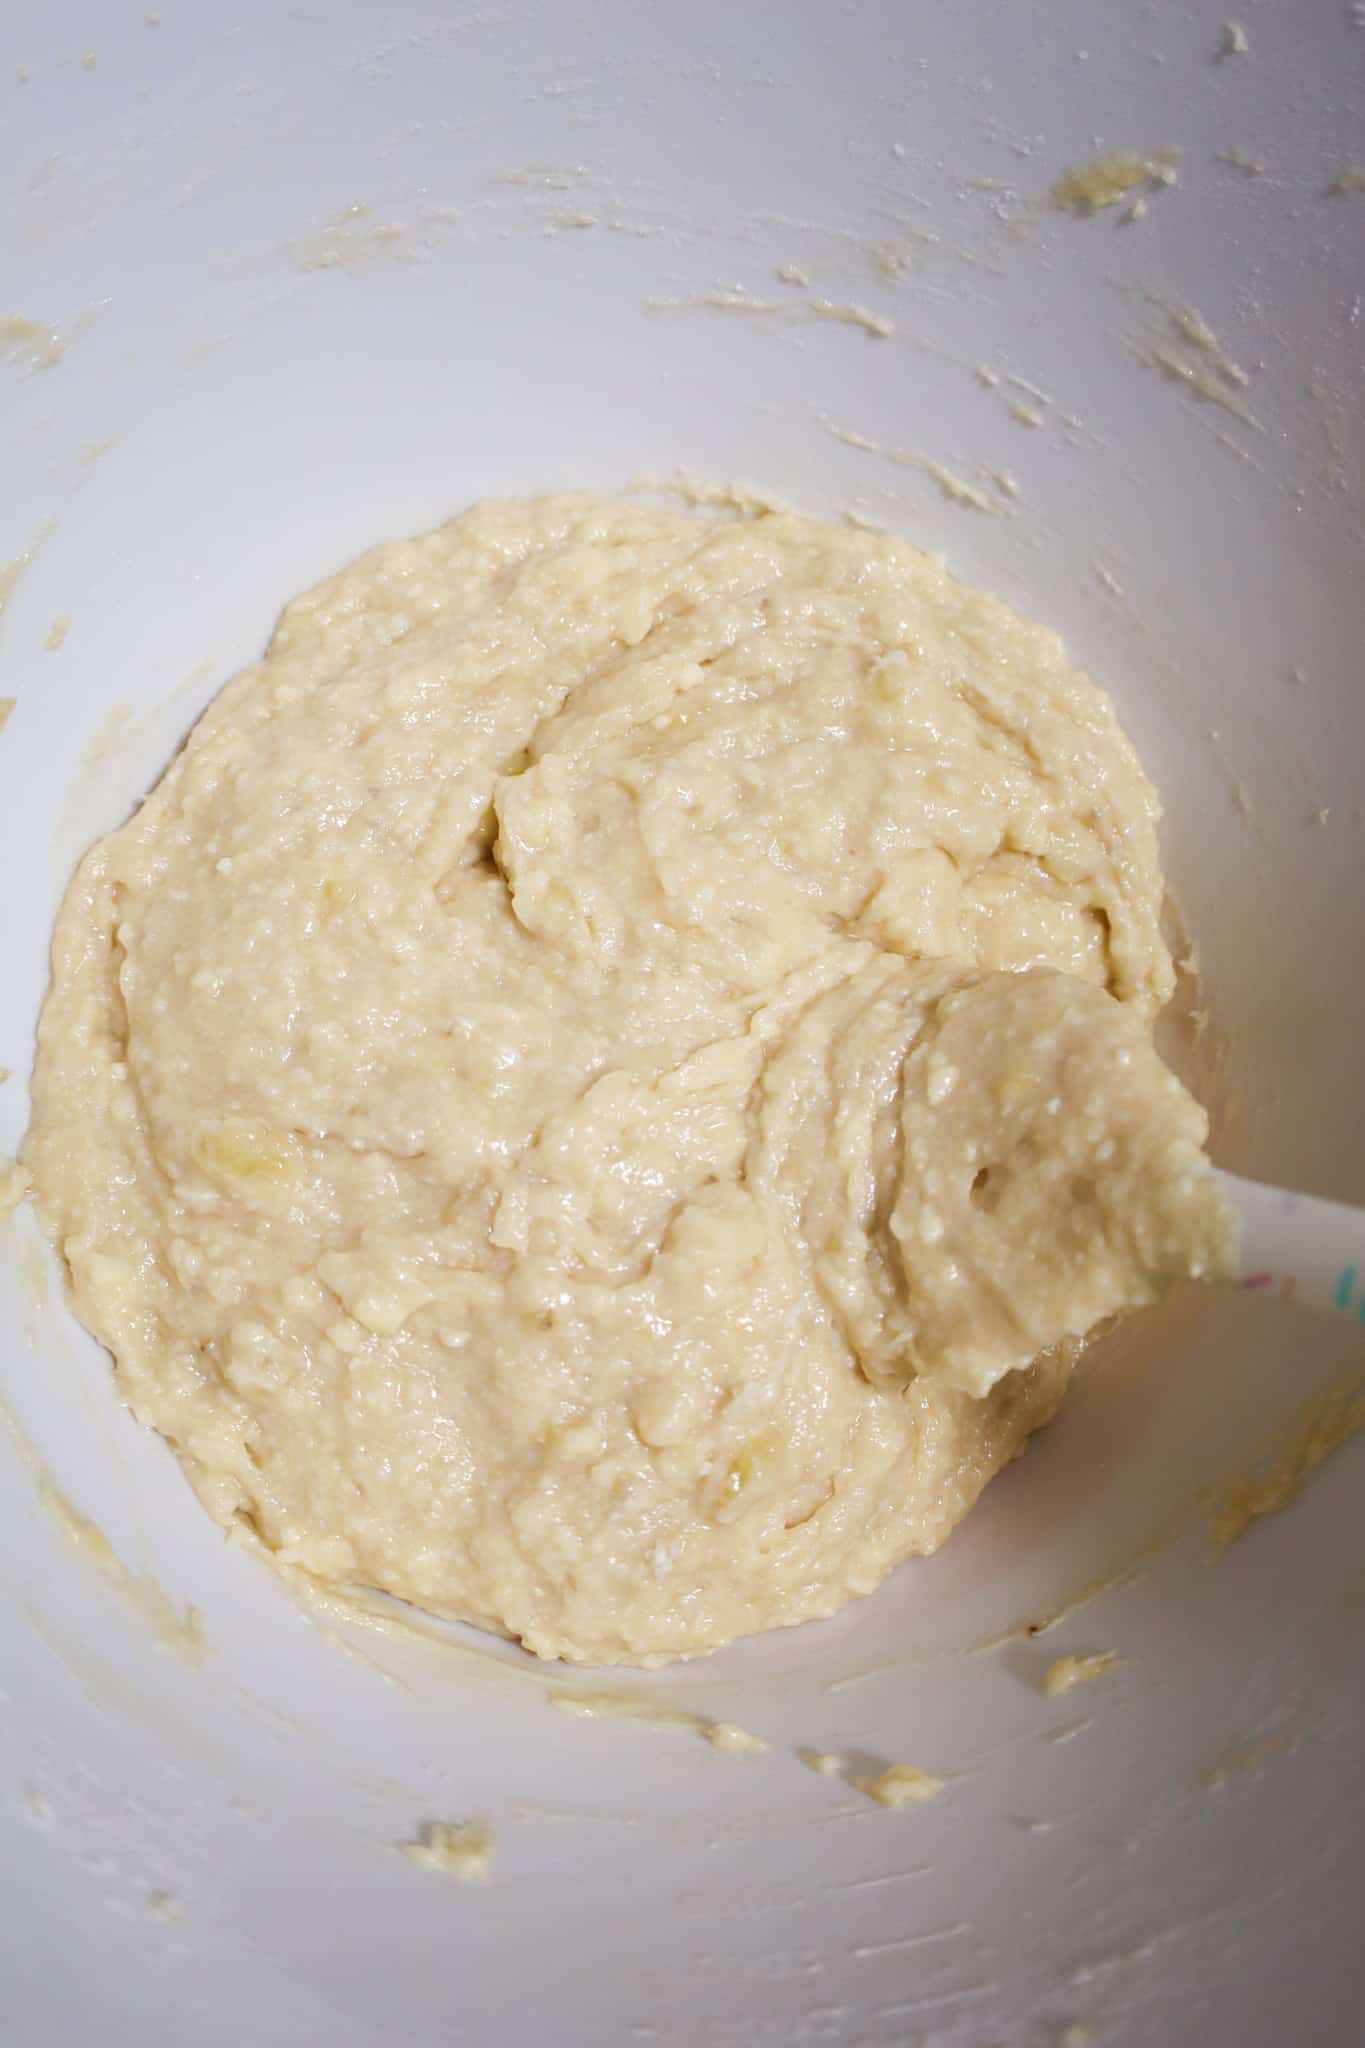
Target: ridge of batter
(427,1089)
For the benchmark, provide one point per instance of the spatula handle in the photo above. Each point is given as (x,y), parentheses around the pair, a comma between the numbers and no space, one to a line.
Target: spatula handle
(1299,1246)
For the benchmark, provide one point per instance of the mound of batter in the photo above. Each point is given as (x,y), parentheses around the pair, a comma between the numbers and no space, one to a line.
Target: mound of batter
(477,1096)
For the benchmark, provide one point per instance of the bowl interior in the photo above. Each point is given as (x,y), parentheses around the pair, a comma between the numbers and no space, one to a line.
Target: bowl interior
(287,285)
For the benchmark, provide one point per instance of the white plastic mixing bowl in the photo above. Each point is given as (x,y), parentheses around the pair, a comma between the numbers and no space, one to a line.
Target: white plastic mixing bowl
(319,276)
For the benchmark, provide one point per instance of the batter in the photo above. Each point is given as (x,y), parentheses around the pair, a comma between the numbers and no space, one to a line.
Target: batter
(513,1098)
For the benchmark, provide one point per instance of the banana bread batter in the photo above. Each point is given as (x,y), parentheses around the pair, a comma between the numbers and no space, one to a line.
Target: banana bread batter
(482,1097)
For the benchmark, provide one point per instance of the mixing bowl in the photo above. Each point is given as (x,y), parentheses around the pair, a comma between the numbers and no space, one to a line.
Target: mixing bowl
(283,282)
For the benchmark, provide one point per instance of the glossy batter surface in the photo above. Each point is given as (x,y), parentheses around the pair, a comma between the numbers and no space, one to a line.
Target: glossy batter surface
(476,1099)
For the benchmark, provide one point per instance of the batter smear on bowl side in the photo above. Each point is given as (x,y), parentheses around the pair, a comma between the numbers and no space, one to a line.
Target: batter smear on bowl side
(484,1095)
